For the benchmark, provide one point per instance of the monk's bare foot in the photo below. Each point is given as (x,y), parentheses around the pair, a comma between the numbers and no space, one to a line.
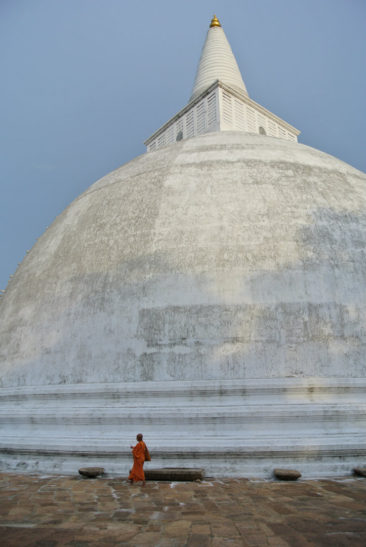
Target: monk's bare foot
(143,483)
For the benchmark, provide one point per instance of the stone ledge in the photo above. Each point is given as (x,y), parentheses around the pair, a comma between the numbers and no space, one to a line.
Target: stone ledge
(174,474)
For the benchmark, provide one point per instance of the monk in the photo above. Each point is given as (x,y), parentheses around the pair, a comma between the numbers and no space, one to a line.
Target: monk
(138,452)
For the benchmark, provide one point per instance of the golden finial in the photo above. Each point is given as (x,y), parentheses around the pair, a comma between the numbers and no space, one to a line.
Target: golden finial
(215,22)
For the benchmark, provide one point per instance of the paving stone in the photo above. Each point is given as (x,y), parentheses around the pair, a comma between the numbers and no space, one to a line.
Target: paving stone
(177,528)
(216,512)
(256,539)
(197,540)
(146,538)
(226,531)
(169,542)
(277,542)
(229,542)
(201,529)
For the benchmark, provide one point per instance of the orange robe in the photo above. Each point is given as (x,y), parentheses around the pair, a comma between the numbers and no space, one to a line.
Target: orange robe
(137,471)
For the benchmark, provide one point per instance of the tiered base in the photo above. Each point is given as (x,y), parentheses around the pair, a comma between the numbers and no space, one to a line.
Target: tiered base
(230,428)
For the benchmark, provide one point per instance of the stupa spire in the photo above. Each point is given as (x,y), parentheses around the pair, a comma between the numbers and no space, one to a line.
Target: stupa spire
(220,101)
(217,62)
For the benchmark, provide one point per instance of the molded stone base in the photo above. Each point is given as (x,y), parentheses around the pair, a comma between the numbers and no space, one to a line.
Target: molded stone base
(230,428)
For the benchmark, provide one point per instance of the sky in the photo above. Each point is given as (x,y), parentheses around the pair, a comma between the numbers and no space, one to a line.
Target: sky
(85,82)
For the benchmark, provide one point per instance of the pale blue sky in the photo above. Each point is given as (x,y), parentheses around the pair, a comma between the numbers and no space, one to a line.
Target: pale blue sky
(85,82)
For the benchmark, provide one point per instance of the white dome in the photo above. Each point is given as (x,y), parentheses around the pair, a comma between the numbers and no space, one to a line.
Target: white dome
(228,257)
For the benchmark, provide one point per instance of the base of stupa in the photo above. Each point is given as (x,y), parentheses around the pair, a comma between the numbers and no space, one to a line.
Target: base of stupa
(231,428)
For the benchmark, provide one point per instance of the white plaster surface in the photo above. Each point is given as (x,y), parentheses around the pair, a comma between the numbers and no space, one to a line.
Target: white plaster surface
(228,257)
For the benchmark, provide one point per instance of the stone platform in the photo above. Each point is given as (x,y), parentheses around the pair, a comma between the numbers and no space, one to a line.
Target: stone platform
(58,510)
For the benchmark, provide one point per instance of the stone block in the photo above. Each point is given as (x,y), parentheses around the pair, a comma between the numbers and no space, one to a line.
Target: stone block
(360,471)
(287,474)
(91,472)
(174,474)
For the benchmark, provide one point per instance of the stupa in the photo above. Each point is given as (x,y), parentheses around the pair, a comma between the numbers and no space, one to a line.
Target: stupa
(210,293)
